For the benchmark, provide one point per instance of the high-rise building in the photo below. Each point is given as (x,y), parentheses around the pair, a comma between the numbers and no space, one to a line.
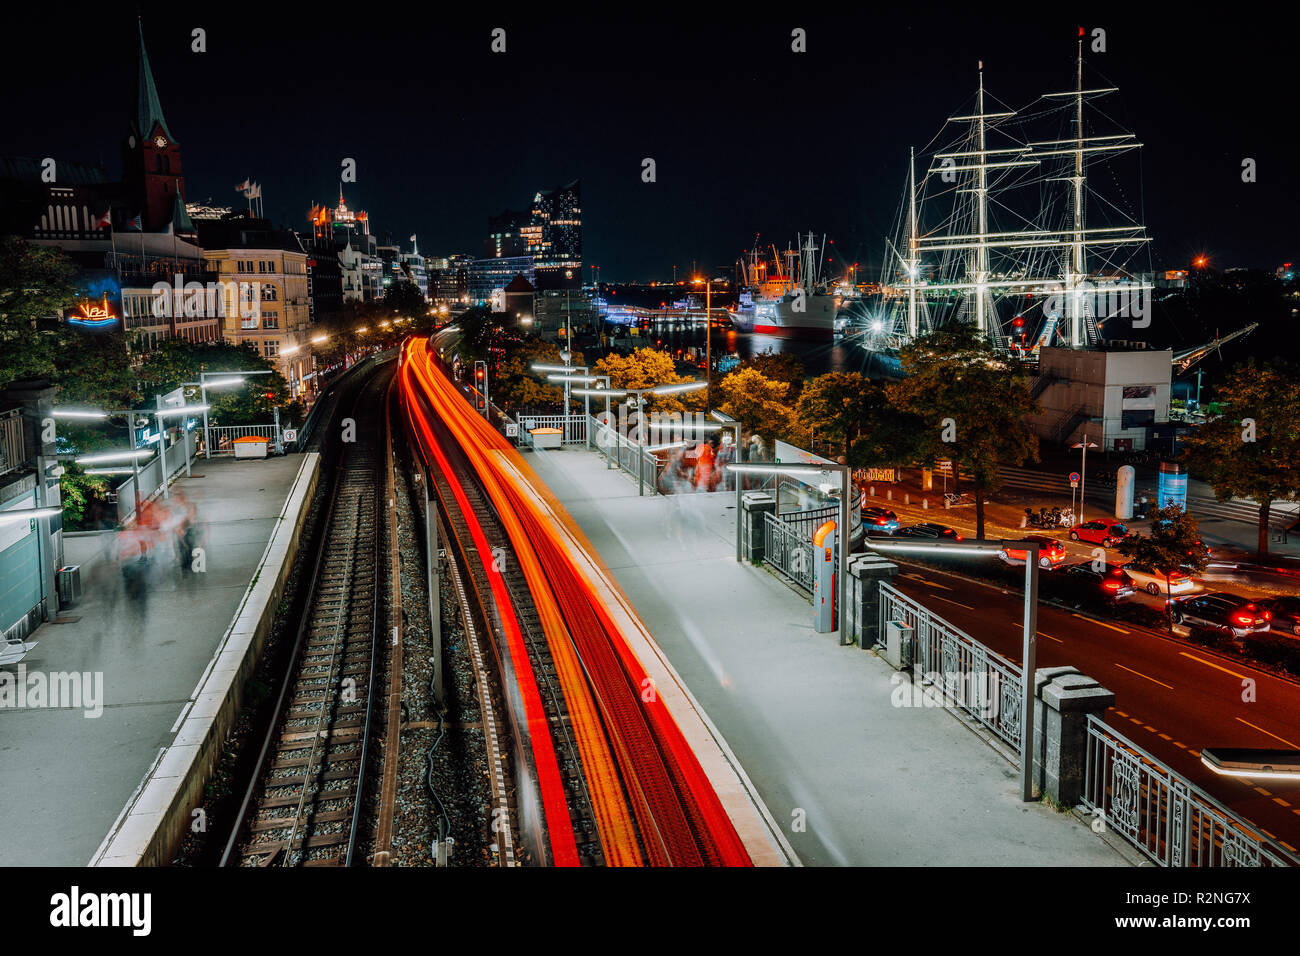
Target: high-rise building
(506,235)
(555,237)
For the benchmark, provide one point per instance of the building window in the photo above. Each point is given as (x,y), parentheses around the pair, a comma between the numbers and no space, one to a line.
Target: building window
(269,293)
(270,349)
(270,322)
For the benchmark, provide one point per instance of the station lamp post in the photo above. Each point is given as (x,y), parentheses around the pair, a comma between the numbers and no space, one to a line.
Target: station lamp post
(1083,472)
(640,394)
(209,380)
(1029,642)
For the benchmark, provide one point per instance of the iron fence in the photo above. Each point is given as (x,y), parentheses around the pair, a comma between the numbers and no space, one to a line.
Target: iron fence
(222,437)
(11,441)
(969,675)
(576,433)
(1172,821)
(789,551)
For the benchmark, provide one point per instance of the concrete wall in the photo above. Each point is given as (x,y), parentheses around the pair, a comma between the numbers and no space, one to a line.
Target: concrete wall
(1096,380)
(157,817)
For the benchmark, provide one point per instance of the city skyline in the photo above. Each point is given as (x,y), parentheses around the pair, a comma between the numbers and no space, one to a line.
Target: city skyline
(784,142)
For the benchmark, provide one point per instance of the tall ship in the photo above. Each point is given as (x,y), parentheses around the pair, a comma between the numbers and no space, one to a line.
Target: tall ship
(1000,227)
(787,298)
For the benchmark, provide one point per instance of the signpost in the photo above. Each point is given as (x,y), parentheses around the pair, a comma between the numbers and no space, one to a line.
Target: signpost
(1074,483)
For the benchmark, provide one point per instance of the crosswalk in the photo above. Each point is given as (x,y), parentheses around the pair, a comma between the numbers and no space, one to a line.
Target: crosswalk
(1238,509)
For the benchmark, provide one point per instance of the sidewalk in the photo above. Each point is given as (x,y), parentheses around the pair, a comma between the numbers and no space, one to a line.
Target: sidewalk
(850,778)
(67,775)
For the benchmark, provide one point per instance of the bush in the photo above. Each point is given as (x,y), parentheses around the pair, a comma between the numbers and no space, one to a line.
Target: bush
(1278,651)
(1143,616)
(1207,637)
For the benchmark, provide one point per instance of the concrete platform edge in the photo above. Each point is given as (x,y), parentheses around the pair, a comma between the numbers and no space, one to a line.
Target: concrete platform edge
(152,823)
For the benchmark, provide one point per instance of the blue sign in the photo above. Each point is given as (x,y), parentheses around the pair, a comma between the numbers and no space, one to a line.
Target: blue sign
(1172,488)
(1074,476)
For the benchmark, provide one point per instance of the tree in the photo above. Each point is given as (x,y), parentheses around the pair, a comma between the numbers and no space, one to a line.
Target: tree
(887,435)
(757,402)
(780,367)
(516,385)
(175,361)
(406,298)
(647,368)
(36,283)
(1174,543)
(1254,452)
(971,404)
(834,406)
(78,490)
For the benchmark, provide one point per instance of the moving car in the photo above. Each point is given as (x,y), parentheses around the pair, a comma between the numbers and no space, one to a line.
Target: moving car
(1221,611)
(1104,533)
(879,520)
(1107,582)
(1050,552)
(1286,613)
(930,530)
(1153,582)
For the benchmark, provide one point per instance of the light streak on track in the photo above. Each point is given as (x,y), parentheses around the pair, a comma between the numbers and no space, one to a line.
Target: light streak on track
(636,761)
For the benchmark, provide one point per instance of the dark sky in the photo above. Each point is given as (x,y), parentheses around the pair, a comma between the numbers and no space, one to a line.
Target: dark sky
(747,136)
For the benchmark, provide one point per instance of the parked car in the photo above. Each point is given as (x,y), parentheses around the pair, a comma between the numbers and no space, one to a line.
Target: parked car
(1286,613)
(1221,611)
(1104,533)
(1107,582)
(1153,582)
(1050,552)
(930,530)
(879,520)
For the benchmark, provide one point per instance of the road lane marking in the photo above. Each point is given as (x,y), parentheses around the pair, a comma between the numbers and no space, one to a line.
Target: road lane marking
(1280,802)
(1101,623)
(1135,720)
(939,597)
(1180,745)
(1148,727)
(1048,636)
(1262,792)
(1140,674)
(1212,664)
(926,581)
(1164,737)
(1121,713)
(1194,753)
(1274,736)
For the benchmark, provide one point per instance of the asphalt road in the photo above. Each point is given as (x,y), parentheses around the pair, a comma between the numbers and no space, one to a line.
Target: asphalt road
(1171,699)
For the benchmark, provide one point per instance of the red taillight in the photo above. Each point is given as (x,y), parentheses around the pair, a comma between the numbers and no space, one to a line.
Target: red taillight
(1113,585)
(881,521)
(960,538)
(1268,615)
(1243,619)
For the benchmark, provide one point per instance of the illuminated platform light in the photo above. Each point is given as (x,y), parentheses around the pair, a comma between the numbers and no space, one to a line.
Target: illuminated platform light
(136,454)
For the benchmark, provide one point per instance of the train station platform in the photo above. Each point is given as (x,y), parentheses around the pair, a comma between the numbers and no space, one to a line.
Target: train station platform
(66,772)
(849,778)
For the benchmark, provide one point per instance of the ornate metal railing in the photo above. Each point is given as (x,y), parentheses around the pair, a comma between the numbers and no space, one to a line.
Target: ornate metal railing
(223,436)
(968,674)
(1169,819)
(789,551)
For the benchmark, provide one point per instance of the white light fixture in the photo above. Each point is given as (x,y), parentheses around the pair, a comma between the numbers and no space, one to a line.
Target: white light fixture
(137,454)
(674,389)
(25,514)
(69,413)
(183,410)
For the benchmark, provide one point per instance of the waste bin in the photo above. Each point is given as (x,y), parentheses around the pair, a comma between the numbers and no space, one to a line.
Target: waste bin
(251,446)
(68,580)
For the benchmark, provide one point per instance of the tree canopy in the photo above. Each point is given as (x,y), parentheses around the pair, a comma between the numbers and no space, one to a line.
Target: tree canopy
(1253,452)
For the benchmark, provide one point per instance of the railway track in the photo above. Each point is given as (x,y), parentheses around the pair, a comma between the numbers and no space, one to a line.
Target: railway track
(471,579)
(305,803)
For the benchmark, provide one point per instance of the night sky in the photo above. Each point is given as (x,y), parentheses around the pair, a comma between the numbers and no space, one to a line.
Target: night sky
(748,137)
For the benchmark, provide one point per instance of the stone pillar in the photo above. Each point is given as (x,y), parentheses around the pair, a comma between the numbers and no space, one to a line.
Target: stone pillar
(862,598)
(1063,699)
(754,504)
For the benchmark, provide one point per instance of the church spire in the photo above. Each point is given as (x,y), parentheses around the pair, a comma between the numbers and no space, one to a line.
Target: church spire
(148,108)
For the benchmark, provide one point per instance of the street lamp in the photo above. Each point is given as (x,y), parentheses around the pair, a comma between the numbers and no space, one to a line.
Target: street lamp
(640,394)
(708,335)
(1083,471)
(1029,642)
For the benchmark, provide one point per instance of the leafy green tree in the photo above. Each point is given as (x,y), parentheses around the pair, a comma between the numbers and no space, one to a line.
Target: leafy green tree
(1174,543)
(757,402)
(886,435)
(406,299)
(36,284)
(78,491)
(516,385)
(971,404)
(1255,451)
(175,361)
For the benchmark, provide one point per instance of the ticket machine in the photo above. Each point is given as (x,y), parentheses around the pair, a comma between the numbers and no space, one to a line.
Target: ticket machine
(824,564)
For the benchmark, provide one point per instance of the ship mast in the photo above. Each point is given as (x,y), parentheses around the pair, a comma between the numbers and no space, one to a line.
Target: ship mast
(981,198)
(913,263)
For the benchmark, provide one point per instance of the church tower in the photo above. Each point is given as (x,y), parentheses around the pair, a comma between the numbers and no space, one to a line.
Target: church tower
(151,163)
